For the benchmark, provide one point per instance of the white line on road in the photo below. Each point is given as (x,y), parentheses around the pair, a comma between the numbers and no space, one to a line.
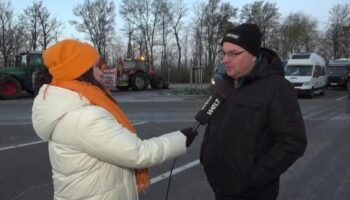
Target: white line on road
(153,180)
(15,123)
(21,145)
(175,171)
(310,115)
(42,141)
(341,98)
(140,123)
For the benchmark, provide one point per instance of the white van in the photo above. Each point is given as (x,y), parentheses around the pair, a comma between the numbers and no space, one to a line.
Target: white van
(307,72)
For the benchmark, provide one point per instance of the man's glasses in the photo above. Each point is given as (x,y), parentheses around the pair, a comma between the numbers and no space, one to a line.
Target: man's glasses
(231,54)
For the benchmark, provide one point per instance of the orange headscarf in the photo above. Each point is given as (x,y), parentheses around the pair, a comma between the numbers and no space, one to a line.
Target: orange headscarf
(69,59)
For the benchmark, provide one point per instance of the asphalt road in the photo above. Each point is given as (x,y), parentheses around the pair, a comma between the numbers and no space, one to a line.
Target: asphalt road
(322,173)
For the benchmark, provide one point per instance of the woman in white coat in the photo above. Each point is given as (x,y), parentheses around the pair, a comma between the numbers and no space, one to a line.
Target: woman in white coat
(93,148)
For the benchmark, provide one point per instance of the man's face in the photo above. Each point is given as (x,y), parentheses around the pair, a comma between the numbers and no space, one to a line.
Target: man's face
(238,62)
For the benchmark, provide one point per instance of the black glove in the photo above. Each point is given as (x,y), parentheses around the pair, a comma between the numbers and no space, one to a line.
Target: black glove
(190,134)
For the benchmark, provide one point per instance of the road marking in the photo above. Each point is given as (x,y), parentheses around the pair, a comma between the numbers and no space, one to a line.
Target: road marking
(153,180)
(15,123)
(140,123)
(341,98)
(328,110)
(23,193)
(124,99)
(175,171)
(42,141)
(29,122)
(311,114)
(21,145)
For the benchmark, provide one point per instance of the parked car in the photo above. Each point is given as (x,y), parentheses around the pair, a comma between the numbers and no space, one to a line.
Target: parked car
(338,73)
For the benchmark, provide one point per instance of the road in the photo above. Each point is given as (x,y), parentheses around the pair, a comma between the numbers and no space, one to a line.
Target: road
(322,173)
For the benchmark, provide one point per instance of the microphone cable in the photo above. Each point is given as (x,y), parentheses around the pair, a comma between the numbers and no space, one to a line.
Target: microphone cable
(173,165)
(169,181)
(202,118)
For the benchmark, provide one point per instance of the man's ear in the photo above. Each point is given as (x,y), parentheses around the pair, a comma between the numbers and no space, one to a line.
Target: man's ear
(253,58)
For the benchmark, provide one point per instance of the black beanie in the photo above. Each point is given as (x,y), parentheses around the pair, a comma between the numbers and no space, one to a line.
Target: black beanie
(247,36)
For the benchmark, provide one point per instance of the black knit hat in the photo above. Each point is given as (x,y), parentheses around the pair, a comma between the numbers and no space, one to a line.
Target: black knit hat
(247,36)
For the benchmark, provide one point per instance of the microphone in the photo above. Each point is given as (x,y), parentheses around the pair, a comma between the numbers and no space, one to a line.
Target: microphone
(210,106)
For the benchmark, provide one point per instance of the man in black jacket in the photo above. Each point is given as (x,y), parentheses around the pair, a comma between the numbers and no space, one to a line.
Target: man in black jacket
(258,132)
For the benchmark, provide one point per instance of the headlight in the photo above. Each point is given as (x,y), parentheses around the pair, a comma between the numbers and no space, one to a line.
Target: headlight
(212,81)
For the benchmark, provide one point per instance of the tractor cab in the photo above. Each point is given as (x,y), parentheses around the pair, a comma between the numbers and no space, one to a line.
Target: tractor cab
(30,59)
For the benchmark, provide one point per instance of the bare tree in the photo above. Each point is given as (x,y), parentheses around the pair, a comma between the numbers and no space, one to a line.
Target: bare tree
(284,45)
(133,20)
(339,30)
(300,32)
(10,34)
(115,48)
(165,19)
(130,51)
(186,44)
(198,49)
(178,12)
(265,15)
(30,21)
(156,6)
(325,46)
(311,35)
(97,21)
(50,27)
(145,15)
(40,28)
(216,19)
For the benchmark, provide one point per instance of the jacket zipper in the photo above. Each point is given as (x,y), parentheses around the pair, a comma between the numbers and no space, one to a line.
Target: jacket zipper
(236,83)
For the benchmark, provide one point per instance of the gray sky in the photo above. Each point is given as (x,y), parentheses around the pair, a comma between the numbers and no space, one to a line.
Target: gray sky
(62,10)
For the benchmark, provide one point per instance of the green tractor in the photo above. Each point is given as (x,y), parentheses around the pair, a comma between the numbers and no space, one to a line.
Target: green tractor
(20,77)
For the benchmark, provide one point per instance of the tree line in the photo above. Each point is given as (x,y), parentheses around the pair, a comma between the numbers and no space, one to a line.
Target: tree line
(161,30)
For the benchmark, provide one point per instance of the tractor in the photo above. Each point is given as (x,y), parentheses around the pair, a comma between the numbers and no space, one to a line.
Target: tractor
(29,66)
(133,73)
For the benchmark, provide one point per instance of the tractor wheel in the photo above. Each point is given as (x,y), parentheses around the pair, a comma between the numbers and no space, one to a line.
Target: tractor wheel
(147,82)
(10,88)
(138,81)
(157,82)
(166,85)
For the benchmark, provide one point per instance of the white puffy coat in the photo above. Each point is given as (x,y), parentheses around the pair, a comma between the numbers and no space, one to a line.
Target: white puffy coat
(91,154)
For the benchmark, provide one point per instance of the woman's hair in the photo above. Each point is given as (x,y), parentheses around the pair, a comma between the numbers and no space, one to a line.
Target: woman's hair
(89,77)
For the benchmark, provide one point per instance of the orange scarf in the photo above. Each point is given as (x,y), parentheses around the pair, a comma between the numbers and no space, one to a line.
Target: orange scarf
(100,98)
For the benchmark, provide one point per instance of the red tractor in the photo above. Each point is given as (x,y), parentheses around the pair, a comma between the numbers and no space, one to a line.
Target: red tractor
(133,73)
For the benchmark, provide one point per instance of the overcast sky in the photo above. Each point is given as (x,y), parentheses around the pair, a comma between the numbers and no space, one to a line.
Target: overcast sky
(62,10)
